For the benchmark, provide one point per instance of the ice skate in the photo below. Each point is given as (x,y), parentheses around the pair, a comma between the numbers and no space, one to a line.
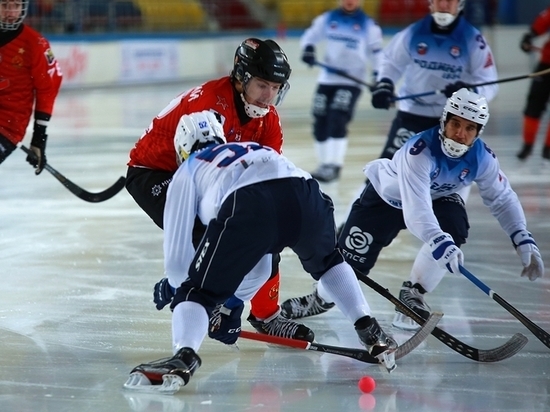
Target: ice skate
(413,297)
(376,341)
(525,151)
(302,307)
(165,375)
(326,173)
(277,325)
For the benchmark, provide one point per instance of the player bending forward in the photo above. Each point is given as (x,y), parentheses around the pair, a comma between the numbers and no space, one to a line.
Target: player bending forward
(255,203)
(417,190)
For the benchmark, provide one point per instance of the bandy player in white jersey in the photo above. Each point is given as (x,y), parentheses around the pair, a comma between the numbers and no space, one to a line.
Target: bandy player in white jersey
(353,43)
(255,203)
(442,51)
(418,189)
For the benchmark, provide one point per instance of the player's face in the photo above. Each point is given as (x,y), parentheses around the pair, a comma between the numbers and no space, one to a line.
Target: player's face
(445,6)
(10,10)
(261,92)
(461,130)
(350,5)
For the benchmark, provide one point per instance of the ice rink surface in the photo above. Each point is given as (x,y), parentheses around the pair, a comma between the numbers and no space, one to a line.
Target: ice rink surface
(76,311)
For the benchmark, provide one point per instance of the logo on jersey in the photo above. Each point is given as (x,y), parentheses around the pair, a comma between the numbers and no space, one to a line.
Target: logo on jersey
(422,48)
(435,173)
(222,102)
(463,174)
(333,25)
(455,51)
(49,56)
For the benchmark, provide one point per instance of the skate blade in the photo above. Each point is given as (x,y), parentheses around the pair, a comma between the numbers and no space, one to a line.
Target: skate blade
(403,322)
(137,381)
(387,361)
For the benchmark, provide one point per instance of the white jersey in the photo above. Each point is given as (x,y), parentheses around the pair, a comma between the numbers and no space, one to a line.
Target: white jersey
(353,41)
(429,61)
(420,172)
(203,182)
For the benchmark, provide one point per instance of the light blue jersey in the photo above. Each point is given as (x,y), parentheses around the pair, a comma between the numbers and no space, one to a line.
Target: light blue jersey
(353,41)
(420,172)
(429,60)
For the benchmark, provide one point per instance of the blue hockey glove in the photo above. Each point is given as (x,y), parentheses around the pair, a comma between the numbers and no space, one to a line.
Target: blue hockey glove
(382,94)
(446,253)
(453,87)
(308,55)
(163,293)
(225,324)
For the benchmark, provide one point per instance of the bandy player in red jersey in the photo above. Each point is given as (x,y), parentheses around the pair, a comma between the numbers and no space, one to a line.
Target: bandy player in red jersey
(245,102)
(29,77)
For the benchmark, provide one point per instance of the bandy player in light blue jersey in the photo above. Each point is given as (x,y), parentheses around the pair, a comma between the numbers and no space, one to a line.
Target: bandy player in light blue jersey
(353,43)
(442,51)
(418,189)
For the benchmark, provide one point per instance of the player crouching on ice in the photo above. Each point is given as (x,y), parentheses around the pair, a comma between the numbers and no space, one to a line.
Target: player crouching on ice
(419,189)
(255,203)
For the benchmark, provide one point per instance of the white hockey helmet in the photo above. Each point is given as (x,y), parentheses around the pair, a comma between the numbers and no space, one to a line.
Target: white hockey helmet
(443,19)
(12,13)
(196,130)
(468,105)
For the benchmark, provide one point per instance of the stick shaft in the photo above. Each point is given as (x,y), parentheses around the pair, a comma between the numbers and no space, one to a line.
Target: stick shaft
(343,73)
(541,334)
(505,80)
(358,354)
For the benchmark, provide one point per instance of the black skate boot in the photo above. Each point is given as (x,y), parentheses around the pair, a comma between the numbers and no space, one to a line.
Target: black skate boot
(277,325)
(183,365)
(413,297)
(373,337)
(525,151)
(302,307)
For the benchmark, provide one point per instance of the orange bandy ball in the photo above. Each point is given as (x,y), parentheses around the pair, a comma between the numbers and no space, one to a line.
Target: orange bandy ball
(366,384)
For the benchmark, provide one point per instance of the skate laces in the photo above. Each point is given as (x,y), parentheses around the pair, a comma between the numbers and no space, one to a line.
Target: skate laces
(281,327)
(412,297)
(308,305)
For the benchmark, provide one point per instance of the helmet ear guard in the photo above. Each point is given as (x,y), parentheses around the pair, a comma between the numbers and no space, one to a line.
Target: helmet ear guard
(195,131)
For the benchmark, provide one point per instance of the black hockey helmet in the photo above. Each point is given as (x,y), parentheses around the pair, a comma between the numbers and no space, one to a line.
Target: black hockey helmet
(262,59)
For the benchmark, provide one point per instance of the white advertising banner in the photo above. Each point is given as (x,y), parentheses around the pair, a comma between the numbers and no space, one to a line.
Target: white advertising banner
(149,60)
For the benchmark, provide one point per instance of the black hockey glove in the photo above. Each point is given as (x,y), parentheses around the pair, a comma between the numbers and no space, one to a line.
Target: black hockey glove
(453,87)
(526,43)
(308,55)
(37,158)
(163,293)
(382,94)
(225,324)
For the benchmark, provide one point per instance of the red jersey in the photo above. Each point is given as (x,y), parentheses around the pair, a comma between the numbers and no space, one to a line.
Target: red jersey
(540,26)
(155,149)
(29,77)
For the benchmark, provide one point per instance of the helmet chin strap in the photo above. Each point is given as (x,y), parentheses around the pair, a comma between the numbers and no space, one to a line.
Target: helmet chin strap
(252,110)
(451,148)
(443,19)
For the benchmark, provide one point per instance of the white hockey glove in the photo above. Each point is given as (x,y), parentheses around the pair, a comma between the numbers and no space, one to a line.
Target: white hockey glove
(446,253)
(526,248)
